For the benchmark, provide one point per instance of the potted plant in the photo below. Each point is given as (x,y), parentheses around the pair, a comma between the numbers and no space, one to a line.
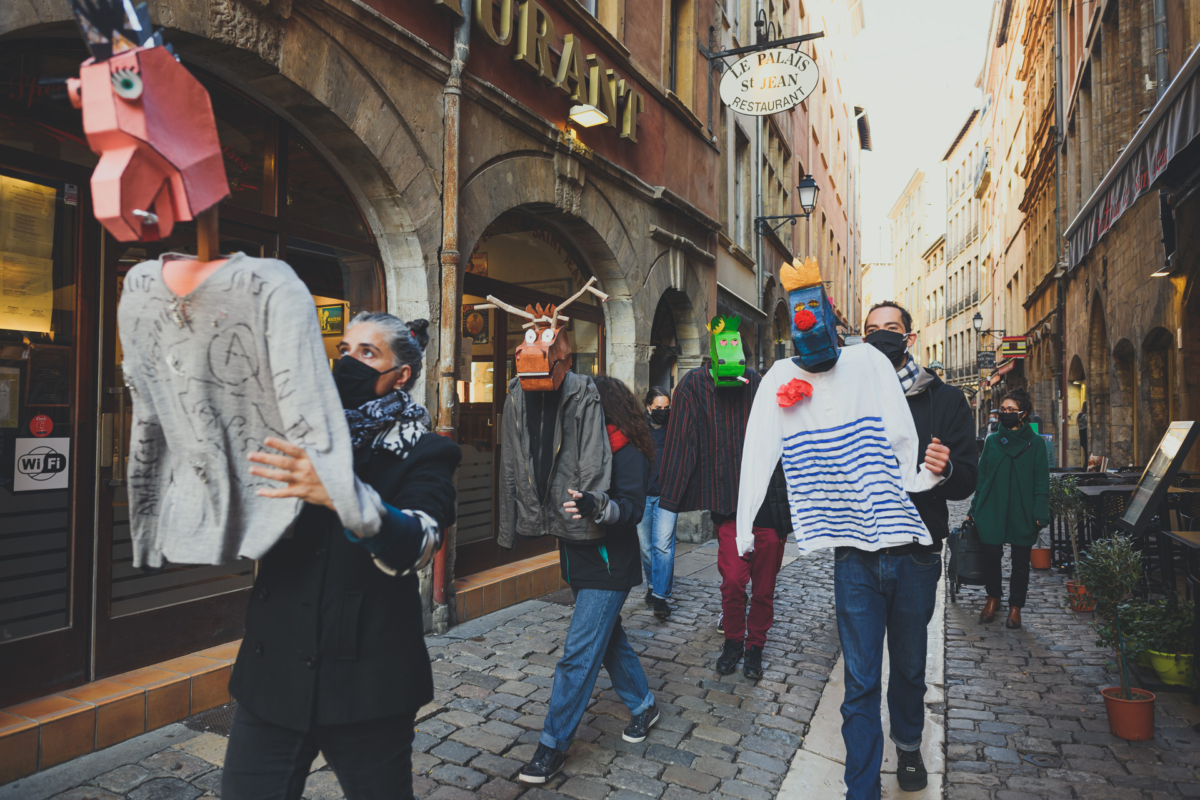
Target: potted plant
(1039,554)
(1111,569)
(1139,619)
(1169,643)
(1067,505)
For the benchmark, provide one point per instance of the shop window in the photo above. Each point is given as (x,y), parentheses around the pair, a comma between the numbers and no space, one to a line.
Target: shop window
(316,197)
(247,135)
(36,118)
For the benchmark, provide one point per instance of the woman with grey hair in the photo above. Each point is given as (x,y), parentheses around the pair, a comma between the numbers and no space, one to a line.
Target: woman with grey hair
(334,658)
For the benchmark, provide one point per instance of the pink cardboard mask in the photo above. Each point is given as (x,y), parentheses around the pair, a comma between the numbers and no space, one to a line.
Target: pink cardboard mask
(149,120)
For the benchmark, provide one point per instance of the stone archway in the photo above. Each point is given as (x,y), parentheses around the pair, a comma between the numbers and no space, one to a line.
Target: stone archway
(1078,443)
(1155,390)
(1098,367)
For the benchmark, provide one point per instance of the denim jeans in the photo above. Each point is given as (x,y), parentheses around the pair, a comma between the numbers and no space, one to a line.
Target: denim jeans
(594,638)
(878,594)
(656,533)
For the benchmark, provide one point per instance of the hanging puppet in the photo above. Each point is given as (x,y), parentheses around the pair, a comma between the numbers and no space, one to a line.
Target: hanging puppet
(843,428)
(209,378)
(552,431)
(149,120)
(728,360)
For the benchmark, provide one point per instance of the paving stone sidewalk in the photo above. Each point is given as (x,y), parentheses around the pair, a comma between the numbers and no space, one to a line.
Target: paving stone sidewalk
(720,736)
(1025,718)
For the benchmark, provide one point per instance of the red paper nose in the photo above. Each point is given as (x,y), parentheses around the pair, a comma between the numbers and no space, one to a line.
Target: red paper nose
(805,319)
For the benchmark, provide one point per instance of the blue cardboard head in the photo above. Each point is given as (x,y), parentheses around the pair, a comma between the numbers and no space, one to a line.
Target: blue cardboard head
(814,326)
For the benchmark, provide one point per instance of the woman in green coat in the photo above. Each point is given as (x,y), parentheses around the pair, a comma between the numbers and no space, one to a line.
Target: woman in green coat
(1011,503)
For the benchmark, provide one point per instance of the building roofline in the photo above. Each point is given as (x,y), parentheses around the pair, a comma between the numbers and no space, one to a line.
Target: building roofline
(941,239)
(915,180)
(966,127)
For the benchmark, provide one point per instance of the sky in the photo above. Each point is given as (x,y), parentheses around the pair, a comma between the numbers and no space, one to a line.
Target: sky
(913,69)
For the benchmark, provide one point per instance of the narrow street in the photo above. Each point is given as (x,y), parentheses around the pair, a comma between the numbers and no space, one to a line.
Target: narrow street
(1019,712)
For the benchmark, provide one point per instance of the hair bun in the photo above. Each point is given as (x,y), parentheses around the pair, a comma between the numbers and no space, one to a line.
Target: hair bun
(420,328)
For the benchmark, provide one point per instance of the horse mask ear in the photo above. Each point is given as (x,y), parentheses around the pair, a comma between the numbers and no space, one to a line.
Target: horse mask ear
(150,121)
(814,325)
(728,367)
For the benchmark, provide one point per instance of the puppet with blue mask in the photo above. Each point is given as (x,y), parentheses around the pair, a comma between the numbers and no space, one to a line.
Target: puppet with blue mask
(814,326)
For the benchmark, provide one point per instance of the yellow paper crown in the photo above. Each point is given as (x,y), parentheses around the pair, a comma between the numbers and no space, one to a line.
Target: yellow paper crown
(800,275)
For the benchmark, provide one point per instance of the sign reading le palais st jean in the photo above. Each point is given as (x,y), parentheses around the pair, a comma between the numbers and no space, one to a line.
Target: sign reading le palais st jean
(769,81)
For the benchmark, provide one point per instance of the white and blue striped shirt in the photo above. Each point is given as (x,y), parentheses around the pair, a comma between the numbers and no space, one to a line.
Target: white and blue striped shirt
(849,455)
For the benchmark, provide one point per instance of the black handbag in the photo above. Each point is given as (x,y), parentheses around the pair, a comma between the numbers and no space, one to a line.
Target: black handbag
(966,554)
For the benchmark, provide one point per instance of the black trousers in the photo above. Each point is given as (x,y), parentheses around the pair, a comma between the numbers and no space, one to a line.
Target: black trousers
(372,760)
(1083,444)
(1018,582)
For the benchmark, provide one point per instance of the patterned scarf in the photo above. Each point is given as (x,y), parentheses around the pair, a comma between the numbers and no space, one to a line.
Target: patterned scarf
(393,423)
(908,373)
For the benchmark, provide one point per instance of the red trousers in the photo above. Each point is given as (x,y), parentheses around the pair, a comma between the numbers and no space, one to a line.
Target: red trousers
(760,569)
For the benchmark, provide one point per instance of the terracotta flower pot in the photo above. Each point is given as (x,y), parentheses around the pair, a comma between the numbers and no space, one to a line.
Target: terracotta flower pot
(1079,598)
(1172,669)
(1039,558)
(1131,720)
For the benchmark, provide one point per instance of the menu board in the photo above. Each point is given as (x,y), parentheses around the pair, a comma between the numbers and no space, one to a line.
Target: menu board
(10,396)
(26,255)
(1162,469)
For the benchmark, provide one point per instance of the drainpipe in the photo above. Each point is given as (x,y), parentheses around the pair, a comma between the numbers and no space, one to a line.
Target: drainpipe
(1162,69)
(1061,287)
(448,341)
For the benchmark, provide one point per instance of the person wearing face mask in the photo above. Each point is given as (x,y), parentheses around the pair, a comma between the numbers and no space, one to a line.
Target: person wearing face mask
(656,531)
(993,424)
(1012,503)
(333,659)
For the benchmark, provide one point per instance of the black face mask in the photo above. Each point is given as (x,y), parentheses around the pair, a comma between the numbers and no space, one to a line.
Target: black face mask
(891,344)
(355,381)
(659,416)
(1010,419)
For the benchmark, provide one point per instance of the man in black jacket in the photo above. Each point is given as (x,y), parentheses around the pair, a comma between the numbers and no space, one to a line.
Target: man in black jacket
(897,598)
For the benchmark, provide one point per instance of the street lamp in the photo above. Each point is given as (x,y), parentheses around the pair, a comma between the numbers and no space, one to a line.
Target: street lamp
(977,321)
(807,191)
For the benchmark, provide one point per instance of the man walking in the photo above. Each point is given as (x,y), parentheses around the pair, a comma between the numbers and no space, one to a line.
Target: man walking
(1081,420)
(892,591)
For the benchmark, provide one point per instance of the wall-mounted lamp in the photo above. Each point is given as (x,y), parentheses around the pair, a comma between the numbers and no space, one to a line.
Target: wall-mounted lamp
(587,116)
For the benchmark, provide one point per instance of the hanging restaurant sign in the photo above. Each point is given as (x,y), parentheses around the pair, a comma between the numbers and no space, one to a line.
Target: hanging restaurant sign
(769,81)
(1014,347)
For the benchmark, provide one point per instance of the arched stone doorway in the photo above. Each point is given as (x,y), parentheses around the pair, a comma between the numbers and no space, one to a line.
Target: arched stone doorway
(1078,444)
(1156,390)
(1123,433)
(1098,368)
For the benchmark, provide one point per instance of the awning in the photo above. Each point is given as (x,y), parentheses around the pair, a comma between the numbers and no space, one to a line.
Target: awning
(1172,125)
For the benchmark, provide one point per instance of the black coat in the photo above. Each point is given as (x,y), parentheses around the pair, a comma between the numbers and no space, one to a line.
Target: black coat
(330,638)
(942,411)
(613,563)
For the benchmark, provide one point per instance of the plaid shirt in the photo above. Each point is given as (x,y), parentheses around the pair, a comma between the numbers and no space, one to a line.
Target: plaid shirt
(702,456)
(908,374)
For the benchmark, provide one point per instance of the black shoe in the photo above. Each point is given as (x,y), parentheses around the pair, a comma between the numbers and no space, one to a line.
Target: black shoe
(639,727)
(752,666)
(911,772)
(544,765)
(730,656)
(721,624)
(661,609)
(649,597)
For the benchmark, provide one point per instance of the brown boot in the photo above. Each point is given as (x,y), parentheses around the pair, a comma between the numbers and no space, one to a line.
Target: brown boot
(989,610)
(1014,618)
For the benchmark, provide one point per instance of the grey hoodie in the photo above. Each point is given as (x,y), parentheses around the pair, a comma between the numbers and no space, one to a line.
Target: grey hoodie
(582,461)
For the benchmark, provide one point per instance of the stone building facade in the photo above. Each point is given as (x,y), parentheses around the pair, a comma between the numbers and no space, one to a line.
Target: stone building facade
(334,125)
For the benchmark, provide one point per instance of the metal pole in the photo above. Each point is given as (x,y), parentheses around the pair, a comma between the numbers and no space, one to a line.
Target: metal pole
(448,342)
(1061,287)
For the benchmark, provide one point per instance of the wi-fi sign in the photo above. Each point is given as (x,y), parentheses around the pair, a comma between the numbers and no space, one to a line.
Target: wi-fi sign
(42,464)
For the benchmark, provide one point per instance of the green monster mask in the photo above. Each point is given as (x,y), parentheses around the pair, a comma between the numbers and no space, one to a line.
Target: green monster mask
(725,350)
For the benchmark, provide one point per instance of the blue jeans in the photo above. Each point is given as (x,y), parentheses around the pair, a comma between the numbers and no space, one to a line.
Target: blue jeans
(594,638)
(878,594)
(656,533)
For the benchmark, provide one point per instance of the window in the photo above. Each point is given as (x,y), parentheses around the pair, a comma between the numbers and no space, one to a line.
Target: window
(723,198)
(742,191)
(776,172)
(681,49)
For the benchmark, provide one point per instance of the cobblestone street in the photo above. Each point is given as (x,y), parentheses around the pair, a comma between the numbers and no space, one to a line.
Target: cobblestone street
(1022,714)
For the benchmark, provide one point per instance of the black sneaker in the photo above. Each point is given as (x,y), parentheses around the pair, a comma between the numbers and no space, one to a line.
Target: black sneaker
(545,764)
(661,609)
(752,666)
(910,772)
(721,624)
(649,597)
(730,656)
(639,727)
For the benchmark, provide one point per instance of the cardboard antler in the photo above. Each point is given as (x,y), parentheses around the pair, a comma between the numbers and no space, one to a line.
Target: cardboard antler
(587,287)
(495,302)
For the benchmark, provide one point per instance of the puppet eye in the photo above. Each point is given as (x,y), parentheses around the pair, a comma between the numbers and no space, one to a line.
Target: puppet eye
(724,342)
(531,336)
(814,303)
(735,342)
(548,336)
(127,83)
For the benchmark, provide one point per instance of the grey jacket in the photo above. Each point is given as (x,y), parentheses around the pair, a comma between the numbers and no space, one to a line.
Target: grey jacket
(582,461)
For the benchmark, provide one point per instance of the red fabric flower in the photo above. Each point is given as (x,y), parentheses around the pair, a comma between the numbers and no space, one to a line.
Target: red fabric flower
(616,438)
(805,319)
(792,392)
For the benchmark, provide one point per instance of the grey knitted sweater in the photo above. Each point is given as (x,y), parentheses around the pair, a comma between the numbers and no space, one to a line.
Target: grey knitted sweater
(212,375)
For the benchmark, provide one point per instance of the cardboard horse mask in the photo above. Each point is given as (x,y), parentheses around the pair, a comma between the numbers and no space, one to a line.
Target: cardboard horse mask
(814,326)
(149,120)
(544,357)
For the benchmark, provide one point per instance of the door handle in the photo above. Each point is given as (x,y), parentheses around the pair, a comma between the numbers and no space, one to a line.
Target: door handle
(106,440)
(118,467)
